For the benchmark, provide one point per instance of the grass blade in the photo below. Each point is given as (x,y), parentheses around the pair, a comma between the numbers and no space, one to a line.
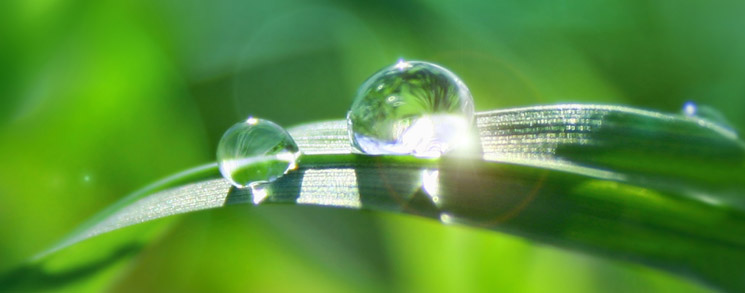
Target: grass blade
(658,189)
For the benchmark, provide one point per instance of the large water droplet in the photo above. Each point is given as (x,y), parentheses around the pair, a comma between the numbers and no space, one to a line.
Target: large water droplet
(256,151)
(412,107)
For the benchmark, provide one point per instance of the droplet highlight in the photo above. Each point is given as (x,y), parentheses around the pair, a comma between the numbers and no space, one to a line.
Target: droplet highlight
(412,108)
(431,184)
(256,151)
(689,109)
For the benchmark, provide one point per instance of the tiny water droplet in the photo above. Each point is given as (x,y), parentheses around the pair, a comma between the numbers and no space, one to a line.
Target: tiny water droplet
(412,107)
(689,109)
(256,151)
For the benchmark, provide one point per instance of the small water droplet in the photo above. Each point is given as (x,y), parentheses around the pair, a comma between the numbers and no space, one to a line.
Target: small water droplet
(412,107)
(256,151)
(689,109)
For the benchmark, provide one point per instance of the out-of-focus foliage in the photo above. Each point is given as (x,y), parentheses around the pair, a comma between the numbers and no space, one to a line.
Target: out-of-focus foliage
(99,98)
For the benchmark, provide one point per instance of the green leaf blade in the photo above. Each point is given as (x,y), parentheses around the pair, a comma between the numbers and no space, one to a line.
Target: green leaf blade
(658,189)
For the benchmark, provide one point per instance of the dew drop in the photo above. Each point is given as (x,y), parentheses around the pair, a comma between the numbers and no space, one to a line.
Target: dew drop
(412,107)
(256,151)
(689,109)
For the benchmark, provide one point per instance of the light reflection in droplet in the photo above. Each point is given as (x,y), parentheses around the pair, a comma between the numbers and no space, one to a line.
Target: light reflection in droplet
(431,184)
(402,64)
(446,218)
(259,193)
(689,109)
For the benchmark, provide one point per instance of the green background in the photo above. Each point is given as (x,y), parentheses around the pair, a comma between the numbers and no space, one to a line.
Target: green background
(99,98)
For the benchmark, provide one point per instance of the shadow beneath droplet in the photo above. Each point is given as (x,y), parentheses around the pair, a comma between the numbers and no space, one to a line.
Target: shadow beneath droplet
(284,189)
(238,196)
(399,188)
(488,201)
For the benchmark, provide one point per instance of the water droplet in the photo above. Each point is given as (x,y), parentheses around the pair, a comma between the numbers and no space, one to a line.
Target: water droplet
(689,109)
(256,151)
(412,107)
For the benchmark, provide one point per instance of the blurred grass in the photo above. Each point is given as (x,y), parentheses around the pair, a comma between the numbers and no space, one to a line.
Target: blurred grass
(102,97)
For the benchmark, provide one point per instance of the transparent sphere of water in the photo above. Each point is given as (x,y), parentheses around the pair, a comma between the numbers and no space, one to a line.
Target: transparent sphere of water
(256,151)
(411,107)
